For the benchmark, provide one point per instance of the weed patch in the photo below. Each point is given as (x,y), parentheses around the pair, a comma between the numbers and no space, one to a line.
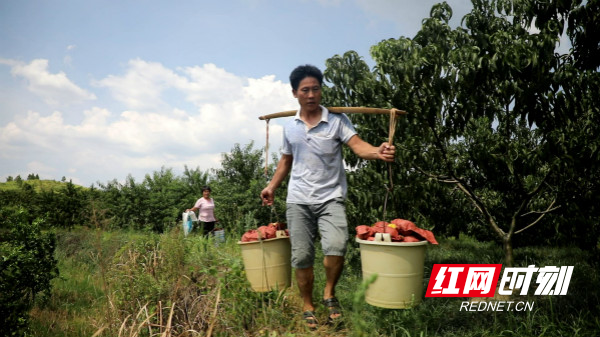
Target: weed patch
(142,284)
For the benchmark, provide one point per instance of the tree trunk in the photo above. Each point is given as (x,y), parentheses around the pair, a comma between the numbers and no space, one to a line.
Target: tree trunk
(508,250)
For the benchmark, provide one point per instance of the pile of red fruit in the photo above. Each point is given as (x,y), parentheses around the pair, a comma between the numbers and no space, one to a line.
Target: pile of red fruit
(264,232)
(400,230)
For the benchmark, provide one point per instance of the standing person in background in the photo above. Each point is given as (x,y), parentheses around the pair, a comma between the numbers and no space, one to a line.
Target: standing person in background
(206,211)
(312,152)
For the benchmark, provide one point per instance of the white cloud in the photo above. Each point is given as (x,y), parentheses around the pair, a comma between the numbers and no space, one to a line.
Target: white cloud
(54,89)
(145,85)
(211,84)
(104,145)
(226,106)
(142,86)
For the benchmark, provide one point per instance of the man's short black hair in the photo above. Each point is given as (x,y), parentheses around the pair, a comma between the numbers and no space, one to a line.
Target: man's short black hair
(206,188)
(301,72)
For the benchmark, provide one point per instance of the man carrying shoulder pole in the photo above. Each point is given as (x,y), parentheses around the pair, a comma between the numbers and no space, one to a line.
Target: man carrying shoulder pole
(312,154)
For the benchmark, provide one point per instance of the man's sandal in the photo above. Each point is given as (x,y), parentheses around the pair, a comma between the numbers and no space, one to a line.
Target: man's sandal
(335,311)
(310,320)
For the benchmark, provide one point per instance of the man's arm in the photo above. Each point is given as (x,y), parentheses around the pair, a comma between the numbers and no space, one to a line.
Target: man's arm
(283,168)
(367,151)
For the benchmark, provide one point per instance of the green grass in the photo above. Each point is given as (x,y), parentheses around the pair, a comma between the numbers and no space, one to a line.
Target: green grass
(38,185)
(126,283)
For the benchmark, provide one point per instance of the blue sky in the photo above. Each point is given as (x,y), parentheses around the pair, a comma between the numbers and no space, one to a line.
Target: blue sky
(96,90)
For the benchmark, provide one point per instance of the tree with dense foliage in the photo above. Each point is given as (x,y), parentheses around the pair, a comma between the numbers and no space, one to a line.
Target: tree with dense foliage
(237,185)
(26,268)
(154,204)
(62,207)
(492,109)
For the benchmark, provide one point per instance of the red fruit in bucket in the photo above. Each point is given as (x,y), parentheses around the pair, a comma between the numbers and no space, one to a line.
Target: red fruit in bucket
(427,235)
(393,233)
(250,235)
(363,232)
(410,238)
(267,232)
(400,230)
(404,227)
(379,227)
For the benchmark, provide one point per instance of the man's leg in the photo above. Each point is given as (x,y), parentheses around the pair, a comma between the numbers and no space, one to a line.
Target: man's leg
(303,231)
(305,278)
(334,236)
(333,270)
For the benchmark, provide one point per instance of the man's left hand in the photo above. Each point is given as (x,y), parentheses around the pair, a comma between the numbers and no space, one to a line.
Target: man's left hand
(386,152)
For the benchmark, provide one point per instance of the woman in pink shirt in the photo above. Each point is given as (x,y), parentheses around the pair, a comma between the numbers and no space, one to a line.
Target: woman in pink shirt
(206,211)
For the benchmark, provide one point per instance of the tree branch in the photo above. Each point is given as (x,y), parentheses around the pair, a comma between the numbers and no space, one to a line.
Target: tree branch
(470,194)
(526,201)
(440,178)
(542,214)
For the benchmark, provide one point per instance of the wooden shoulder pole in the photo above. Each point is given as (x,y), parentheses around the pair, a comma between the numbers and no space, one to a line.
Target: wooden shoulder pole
(346,110)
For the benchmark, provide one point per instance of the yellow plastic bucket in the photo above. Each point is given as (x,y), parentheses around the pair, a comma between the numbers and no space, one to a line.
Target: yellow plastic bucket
(399,268)
(267,263)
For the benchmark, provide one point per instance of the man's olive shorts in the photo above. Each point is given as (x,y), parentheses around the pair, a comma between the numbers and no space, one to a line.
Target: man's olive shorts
(305,222)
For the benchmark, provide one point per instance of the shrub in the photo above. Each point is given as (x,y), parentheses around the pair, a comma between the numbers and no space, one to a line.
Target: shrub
(27,265)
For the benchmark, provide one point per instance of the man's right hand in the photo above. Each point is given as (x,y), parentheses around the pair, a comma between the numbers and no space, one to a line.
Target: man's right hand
(267,196)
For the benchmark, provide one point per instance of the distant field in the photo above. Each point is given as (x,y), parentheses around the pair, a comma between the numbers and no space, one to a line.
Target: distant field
(38,185)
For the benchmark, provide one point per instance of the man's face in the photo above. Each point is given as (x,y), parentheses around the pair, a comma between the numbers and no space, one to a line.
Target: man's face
(308,94)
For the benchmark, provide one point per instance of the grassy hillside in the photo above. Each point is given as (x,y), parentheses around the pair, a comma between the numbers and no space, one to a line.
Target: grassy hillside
(37,184)
(129,283)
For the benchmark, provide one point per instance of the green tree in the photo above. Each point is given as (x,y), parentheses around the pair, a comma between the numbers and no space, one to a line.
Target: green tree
(164,195)
(67,206)
(194,180)
(27,265)
(483,113)
(237,187)
(574,132)
(155,203)
(125,205)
